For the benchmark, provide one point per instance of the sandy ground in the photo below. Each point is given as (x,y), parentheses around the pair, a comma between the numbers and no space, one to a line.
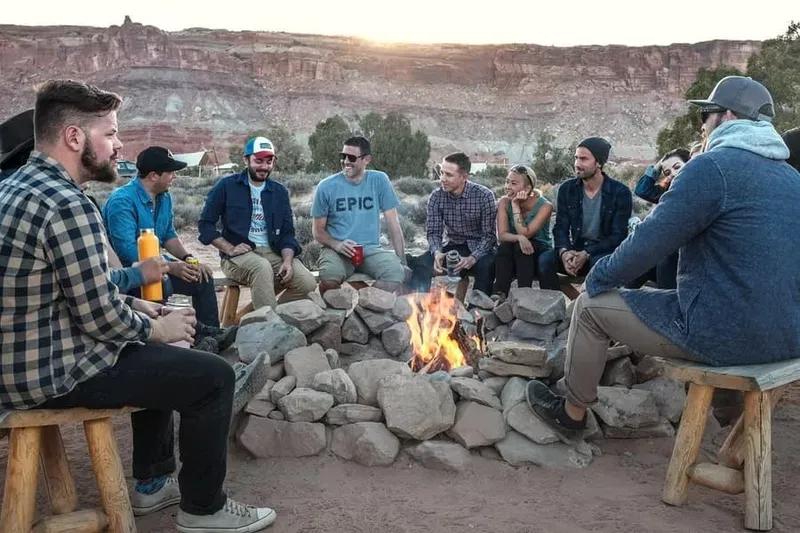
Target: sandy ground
(619,492)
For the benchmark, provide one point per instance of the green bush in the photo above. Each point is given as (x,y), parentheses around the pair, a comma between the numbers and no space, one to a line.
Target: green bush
(302,230)
(414,212)
(310,255)
(417,186)
(299,185)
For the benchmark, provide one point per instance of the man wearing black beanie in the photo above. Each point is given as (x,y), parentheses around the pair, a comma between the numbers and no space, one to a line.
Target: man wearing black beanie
(591,216)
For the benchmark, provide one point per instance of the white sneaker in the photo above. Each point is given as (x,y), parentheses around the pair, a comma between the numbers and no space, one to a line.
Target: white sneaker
(234,517)
(169,494)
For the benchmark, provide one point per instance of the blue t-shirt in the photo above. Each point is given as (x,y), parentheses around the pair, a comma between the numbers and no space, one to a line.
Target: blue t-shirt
(354,211)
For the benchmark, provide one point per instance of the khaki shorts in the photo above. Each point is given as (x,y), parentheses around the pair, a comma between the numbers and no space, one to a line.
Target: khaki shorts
(383,265)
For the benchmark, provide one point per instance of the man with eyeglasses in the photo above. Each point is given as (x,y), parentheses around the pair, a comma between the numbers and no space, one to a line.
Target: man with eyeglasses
(462,217)
(592,212)
(346,209)
(257,244)
(728,213)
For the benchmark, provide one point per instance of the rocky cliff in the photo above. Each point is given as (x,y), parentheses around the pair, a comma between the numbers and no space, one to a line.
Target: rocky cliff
(209,88)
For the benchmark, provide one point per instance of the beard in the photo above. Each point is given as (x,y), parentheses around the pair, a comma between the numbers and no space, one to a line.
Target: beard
(105,172)
(255,177)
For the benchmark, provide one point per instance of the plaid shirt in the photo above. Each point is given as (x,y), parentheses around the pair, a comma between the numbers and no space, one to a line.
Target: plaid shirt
(469,218)
(62,320)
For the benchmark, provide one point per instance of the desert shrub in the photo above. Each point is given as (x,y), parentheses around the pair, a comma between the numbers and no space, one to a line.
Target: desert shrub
(310,255)
(302,210)
(299,185)
(415,212)
(302,230)
(417,186)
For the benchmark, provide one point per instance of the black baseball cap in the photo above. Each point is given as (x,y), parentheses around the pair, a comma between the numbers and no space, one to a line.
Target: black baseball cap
(744,96)
(157,159)
(16,140)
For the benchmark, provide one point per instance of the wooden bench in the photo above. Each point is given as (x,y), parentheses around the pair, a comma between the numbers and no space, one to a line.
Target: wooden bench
(744,462)
(34,436)
(229,312)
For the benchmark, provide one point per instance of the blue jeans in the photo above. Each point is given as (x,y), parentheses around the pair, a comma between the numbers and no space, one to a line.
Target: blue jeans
(550,266)
(162,379)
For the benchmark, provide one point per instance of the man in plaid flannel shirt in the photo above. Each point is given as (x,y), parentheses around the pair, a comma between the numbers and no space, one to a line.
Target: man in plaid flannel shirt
(461,217)
(70,340)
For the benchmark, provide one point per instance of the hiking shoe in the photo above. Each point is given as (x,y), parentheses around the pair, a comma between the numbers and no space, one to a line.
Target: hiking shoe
(224,336)
(234,517)
(206,344)
(549,408)
(168,494)
(250,379)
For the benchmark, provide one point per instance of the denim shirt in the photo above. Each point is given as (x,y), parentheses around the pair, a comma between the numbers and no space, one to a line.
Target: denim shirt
(229,202)
(615,210)
(732,213)
(128,210)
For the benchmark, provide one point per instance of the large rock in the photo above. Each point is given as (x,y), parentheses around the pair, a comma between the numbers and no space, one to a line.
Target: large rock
(415,407)
(660,430)
(496,383)
(350,413)
(376,322)
(518,353)
(335,316)
(480,299)
(517,450)
(396,338)
(513,393)
(557,357)
(367,374)
(282,388)
(537,305)
(402,309)
(649,368)
(367,443)
(619,407)
(264,437)
(272,335)
(336,383)
(305,363)
(352,352)
(262,314)
(490,320)
(521,329)
(670,396)
(525,422)
(500,368)
(619,372)
(345,297)
(305,405)
(477,425)
(504,312)
(333,357)
(329,336)
(354,330)
(258,407)
(276,371)
(474,390)
(376,299)
(305,315)
(439,455)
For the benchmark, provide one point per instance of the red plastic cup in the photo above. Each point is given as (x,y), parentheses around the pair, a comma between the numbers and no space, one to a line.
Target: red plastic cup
(358,255)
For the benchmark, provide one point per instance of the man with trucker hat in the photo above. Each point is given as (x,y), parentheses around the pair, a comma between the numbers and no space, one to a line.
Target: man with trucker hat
(728,213)
(257,242)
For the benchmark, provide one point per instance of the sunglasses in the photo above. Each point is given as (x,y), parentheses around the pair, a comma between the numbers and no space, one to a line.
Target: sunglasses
(522,171)
(350,157)
(708,112)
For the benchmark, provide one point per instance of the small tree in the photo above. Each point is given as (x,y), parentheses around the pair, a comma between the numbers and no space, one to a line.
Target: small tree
(396,149)
(777,66)
(326,143)
(551,163)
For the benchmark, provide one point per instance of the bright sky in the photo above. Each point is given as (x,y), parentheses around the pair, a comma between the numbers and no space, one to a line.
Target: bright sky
(549,22)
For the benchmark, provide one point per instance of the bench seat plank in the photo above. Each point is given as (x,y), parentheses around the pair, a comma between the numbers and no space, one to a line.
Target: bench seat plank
(762,377)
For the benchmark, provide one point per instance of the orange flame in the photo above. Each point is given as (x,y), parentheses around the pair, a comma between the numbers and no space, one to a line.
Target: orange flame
(432,320)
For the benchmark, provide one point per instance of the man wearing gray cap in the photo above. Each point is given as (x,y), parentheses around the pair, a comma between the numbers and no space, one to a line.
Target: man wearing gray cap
(728,213)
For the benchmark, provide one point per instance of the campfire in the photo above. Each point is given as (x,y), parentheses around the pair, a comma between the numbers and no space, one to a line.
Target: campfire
(439,340)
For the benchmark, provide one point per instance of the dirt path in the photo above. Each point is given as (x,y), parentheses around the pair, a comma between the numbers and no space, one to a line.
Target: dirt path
(619,492)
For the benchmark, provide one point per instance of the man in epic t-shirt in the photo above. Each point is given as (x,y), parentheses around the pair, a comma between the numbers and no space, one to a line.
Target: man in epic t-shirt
(347,208)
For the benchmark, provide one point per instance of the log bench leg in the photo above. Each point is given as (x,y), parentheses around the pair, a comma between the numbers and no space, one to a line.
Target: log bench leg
(19,495)
(57,477)
(758,461)
(687,444)
(230,303)
(731,453)
(109,475)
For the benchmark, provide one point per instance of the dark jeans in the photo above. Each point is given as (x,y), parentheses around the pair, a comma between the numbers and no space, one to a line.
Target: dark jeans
(512,263)
(204,297)
(162,379)
(665,275)
(550,266)
(483,271)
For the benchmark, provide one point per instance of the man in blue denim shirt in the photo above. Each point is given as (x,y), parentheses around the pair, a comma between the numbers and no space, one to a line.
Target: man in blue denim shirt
(145,202)
(729,212)
(592,212)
